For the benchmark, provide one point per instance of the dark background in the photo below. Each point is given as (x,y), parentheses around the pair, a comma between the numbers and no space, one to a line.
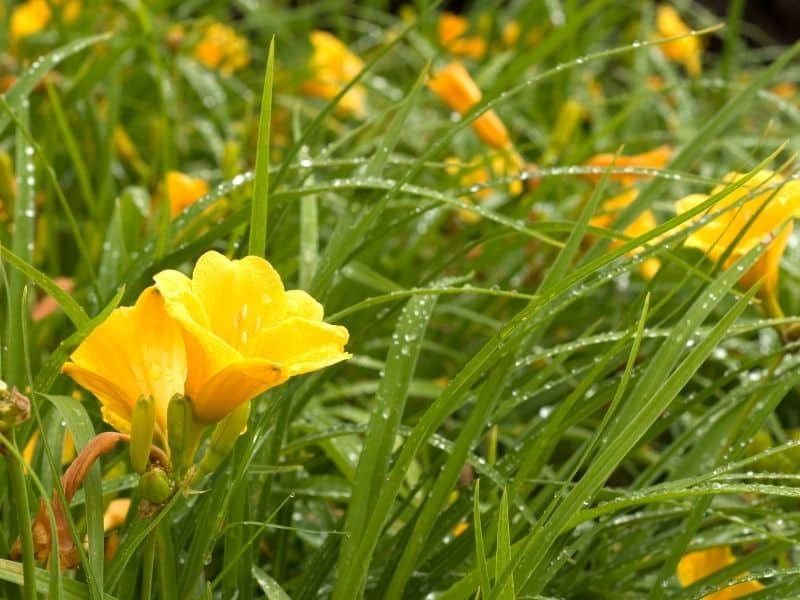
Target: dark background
(779,20)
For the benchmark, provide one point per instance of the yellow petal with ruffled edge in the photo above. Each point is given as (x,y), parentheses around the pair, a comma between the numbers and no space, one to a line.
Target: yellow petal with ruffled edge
(240,297)
(235,384)
(116,409)
(302,346)
(301,304)
(136,351)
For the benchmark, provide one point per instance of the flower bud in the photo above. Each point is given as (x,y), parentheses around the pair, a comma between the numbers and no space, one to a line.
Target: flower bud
(182,431)
(224,437)
(14,407)
(456,88)
(8,189)
(143,422)
(156,486)
(569,118)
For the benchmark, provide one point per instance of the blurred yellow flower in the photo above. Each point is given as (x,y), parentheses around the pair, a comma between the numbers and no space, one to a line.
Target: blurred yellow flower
(653,159)
(115,513)
(785,90)
(686,51)
(28,18)
(222,49)
(774,206)
(333,66)
(452,28)
(479,172)
(137,351)
(510,34)
(456,88)
(244,333)
(695,566)
(644,222)
(67,450)
(33,16)
(113,518)
(183,190)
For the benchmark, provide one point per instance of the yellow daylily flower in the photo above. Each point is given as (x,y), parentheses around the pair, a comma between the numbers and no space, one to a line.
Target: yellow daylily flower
(29,18)
(452,28)
(695,566)
(714,238)
(456,88)
(644,222)
(686,51)
(183,190)
(333,66)
(33,16)
(222,49)
(137,351)
(244,333)
(652,159)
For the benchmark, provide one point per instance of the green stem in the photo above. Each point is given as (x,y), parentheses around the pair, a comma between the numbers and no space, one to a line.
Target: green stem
(19,493)
(148,560)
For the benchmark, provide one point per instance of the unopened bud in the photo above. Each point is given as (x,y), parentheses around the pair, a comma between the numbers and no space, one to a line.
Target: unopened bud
(182,431)
(231,159)
(15,408)
(569,117)
(224,437)
(156,486)
(143,422)
(8,184)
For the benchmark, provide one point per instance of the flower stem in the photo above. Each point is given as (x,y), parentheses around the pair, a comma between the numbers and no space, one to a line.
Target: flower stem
(19,493)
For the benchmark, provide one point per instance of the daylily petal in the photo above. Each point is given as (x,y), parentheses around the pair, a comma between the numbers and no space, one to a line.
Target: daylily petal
(136,351)
(301,304)
(183,190)
(302,346)
(456,88)
(253,283)
(761,208)
(695,566)
(206,352)
(116,408)
(235,384)
(161,367)
(333,66)
(176,289)
(768,264)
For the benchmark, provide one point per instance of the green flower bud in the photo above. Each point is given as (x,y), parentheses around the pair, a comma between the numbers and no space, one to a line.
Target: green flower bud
(143,423)
(155,486)
(224,437)
(183,432)
(7,185)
